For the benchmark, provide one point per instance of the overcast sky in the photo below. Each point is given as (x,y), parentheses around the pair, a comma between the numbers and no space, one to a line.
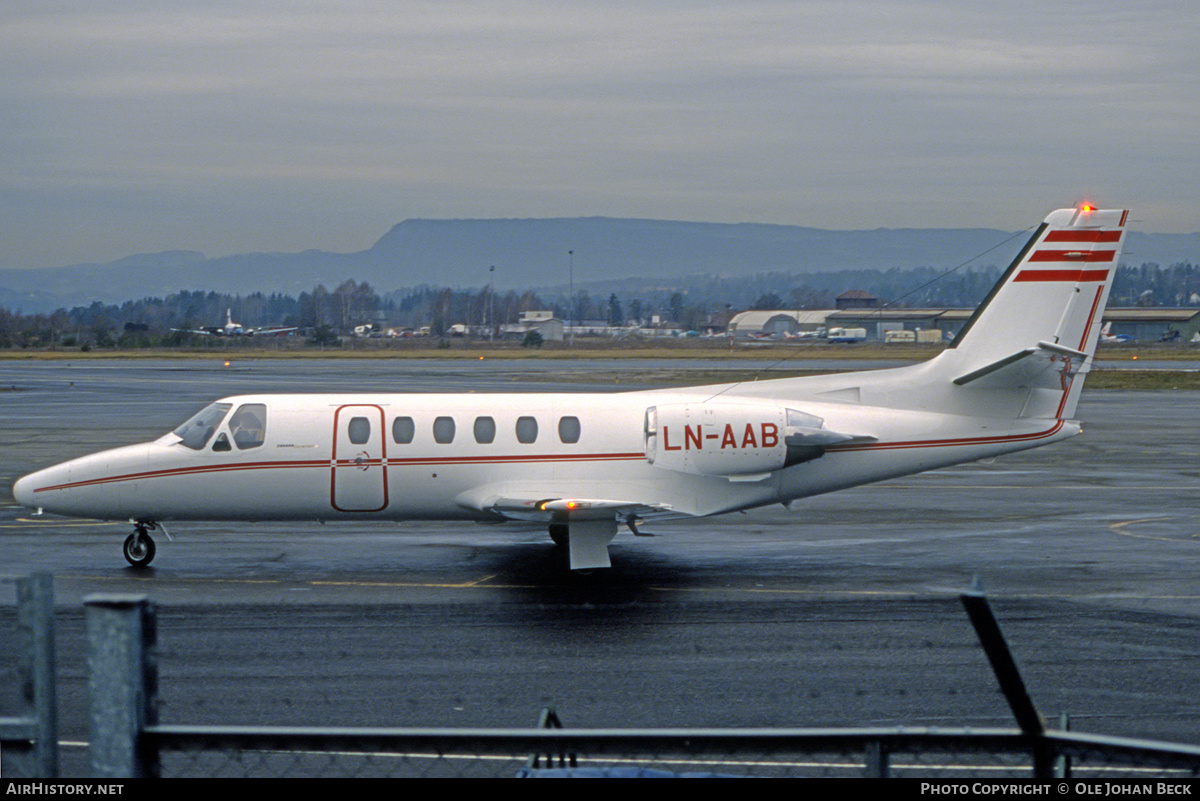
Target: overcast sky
(238,126)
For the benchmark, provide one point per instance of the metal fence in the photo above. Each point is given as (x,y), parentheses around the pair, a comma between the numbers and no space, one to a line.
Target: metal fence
(29,741)
(897,753)
(126,740)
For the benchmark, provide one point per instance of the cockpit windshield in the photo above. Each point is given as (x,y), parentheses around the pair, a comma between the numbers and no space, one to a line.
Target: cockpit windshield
(197,431)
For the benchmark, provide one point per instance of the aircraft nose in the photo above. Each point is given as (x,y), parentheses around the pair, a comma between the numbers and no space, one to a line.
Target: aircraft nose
(23,491)
(100,486)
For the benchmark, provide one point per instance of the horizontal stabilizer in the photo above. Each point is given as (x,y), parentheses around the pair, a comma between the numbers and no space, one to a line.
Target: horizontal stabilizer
(1046,366)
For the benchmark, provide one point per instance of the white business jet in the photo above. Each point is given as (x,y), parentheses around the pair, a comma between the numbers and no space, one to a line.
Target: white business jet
(582,464)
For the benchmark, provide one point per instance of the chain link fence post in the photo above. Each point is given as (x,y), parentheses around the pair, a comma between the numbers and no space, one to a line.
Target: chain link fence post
(31,740)
(122,685)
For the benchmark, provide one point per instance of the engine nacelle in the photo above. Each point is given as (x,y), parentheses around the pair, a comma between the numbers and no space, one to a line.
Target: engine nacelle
(732,439)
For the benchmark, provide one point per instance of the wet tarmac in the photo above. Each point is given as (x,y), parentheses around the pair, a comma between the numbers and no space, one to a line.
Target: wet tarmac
(841,613)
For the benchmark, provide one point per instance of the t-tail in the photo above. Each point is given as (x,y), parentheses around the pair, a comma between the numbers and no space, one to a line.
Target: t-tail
(1035,334)
(1024,352)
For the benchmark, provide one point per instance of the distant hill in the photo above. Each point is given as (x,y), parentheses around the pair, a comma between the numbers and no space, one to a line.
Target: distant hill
(533,254)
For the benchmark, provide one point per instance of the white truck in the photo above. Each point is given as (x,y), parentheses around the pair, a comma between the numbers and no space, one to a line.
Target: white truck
(847,335)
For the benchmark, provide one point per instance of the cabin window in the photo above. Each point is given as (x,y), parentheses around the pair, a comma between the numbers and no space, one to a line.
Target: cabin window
(403,430)
(443,430)
(359,430)
(485,430)
(198,430)
(527,430)
(568,430)
(249,425)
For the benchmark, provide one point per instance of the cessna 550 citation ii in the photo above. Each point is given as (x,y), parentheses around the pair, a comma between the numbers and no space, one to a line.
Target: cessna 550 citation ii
(582,464)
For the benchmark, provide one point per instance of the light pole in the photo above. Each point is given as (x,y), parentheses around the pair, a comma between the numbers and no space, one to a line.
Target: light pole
(571,296)
(492,303)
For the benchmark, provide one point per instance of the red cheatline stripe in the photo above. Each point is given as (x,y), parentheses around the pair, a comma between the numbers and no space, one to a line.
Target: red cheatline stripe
(222,468)
(933,443)
(583,457)
(943,443)
(1061,275)
(1083,236)
(1079,255)
(184,471)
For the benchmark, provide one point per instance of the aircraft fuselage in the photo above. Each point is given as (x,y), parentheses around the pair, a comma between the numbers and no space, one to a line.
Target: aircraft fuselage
(415,456)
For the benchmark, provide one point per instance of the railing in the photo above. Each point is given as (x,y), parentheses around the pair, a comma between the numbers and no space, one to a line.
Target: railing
(29,741)
(912,753)
(126,741)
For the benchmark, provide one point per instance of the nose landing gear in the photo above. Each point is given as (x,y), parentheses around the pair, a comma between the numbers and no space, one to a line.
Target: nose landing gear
(139,546)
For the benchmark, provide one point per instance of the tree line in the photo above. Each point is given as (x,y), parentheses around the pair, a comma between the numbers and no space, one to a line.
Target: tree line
(693,303)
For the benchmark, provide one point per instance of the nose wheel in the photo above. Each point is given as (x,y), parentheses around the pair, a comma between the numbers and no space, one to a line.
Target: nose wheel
(139,546)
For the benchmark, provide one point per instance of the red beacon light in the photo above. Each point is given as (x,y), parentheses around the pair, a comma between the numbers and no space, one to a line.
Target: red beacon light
(1087,207)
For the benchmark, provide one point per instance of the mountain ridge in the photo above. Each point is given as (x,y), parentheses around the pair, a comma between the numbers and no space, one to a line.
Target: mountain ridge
(542,254)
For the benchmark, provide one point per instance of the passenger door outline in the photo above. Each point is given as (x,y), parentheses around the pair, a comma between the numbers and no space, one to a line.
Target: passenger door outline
(358,471)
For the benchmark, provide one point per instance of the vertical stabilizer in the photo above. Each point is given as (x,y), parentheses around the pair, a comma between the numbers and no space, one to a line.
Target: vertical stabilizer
(1037,329)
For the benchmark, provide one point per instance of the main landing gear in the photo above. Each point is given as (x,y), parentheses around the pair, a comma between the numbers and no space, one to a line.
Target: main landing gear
(139,546)
(586,541)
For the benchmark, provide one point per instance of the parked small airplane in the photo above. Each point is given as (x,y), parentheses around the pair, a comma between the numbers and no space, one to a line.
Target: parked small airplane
(232,329)
(582,463)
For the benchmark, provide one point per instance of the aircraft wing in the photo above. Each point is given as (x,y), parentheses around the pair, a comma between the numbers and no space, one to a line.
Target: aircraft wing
(233,332)
(588,524)
(546,509)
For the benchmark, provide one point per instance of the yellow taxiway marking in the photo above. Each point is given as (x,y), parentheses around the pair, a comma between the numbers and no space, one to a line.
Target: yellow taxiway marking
(474,583)
(479,584)
(454,586)
(1121,528)
(24,522)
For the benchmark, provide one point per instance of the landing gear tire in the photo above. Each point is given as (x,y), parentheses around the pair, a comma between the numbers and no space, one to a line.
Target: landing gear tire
(139,549)
(559,535)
